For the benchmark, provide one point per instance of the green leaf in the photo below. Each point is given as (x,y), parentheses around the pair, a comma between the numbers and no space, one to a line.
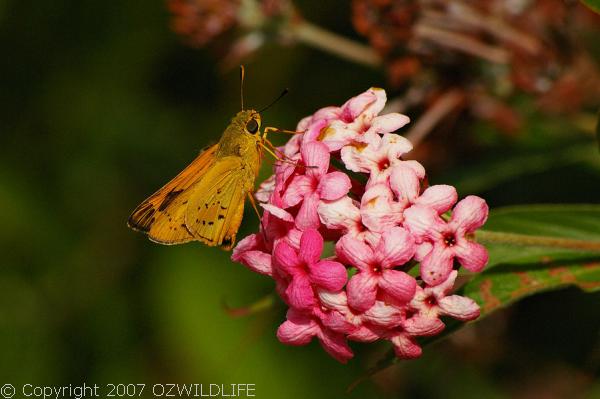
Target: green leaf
(506,284)
(593,5)
(541,233)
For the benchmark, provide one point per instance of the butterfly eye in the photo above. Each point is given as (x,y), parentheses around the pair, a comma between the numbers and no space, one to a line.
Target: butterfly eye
(252,126)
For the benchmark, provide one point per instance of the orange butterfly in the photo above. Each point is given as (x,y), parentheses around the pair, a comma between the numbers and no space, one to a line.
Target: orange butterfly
(205,202)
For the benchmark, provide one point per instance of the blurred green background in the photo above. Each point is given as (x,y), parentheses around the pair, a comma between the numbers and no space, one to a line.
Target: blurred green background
(102,104)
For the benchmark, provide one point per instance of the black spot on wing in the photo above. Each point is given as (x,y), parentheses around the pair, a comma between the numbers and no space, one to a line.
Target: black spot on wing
(171,195)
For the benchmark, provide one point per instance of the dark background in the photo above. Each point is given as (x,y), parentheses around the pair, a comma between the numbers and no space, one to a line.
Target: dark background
(101,104)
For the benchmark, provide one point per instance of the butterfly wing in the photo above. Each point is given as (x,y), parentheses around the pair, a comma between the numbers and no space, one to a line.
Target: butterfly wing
(216,208)
(162,215)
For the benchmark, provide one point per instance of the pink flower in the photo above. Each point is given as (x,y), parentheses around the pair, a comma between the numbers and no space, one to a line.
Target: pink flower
(300,328)
(376,268)
(315,185)
(356,119)
(381,224)
(305,270)
(432,302)
(449,240)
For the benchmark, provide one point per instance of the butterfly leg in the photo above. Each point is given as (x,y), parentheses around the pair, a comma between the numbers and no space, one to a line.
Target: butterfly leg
(253,202)
(272,152)
(277,130)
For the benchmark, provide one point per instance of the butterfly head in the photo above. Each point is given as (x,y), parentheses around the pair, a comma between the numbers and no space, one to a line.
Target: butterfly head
(251,121)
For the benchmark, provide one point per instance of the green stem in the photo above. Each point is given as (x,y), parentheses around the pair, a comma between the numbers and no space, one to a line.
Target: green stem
(538,241)
(333,43)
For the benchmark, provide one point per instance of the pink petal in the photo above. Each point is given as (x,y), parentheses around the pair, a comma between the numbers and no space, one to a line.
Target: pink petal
(437,265)
(422,250)
(378,210)
(334,300)
(469,214)
(440,197)
(340,214)
(257,261)
(337,322)
(423,222)
(299,187)
(423,325)
(384,315)
(329,275)
(396,247)
(359,157)
(316,158)
(335,344)
(374,108)
(406,347)
(362,291)
(297,330)
(394,146)
(471,255)
(354,252)
(313,131)
(286,258)
(333,186)
(337,134)
(307,217)
(278,212)
(265,189)
(364,334)
(389,123)
(356,105)
(311,246)
(405,183)
(300,293)
(416,167)
(459,307)
(398,285)
(444,288)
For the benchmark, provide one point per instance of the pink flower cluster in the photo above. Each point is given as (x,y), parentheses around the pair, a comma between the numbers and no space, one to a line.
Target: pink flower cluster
(383,222)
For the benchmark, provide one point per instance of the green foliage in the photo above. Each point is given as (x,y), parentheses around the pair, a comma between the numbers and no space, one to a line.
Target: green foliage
(593,5)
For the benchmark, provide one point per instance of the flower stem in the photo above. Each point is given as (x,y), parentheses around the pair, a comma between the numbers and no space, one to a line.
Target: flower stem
(538,241)
(330,42)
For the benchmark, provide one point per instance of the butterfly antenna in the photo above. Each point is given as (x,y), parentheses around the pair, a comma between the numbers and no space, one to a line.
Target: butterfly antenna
(242,74)
(283,93)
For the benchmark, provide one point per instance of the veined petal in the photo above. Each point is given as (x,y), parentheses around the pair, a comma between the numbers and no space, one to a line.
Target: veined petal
(359,157)
(416,167)
(395,248)
(378,210)
(299,187)
(362,291)
(406,347)
(459,307)
(437,265)
(471,255)
(398,285)
(278,212)
(383,315)
(311,246)
(328,274)
(354,252)
(356,105)
(334,300)
(300,293)
(469,214)
(333,186)
(423,325)
(316,157)
(423,222)
(405,183)
(440,197)
(340,214)
(389,123)
(286,258)
(297,330)
(335,344)
(307,217)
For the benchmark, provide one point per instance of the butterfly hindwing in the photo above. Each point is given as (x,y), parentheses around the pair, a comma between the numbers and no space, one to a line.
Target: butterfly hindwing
(162,215)
(216,208)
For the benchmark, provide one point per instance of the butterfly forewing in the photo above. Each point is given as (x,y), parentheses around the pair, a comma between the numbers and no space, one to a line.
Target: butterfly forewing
(162,215)
(216,208)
